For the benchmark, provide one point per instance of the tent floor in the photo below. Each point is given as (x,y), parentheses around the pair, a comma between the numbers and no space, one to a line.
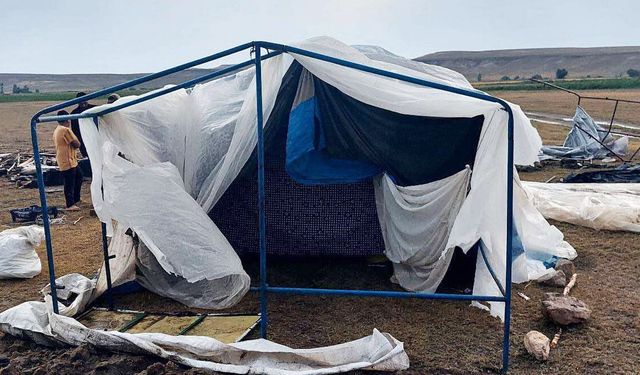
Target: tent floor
(227,328)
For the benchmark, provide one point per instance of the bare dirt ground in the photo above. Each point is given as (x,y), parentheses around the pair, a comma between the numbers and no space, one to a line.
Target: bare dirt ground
(440,337)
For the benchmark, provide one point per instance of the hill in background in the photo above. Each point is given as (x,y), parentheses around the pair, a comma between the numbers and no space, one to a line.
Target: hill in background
(608,62)
(91,82)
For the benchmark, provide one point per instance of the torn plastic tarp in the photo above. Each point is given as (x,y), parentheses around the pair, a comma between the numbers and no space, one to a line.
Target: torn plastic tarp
(192,261)
(18,257)
(379,351)
(597,206)
(584,141)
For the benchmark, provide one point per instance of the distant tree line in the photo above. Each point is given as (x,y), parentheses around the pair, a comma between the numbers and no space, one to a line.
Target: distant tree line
(633,73)
(20,90)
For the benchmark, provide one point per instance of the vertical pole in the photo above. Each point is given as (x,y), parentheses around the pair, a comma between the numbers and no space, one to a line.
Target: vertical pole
(45,215)
(261,216)
(509,239)
(107,267)
(105,253)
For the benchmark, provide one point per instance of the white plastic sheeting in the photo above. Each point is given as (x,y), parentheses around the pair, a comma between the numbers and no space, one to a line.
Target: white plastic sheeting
(208,133)
(415,223)
(203,137)
(18,257)
(483,214)
(152,201)
(74,290)
(379,351)
(599,206)
(584,141)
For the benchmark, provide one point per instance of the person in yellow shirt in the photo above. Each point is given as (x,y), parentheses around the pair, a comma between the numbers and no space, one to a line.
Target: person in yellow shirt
(67,145)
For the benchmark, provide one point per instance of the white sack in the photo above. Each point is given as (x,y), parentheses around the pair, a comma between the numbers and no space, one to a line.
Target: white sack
(598,206)
(415,223)
(18,257)
(379,351)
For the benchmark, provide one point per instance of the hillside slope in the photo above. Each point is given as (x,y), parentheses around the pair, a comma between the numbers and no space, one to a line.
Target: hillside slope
(90,82)
(607,62)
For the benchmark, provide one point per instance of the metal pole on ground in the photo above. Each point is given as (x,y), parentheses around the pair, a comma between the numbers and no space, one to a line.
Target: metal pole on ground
(264,319)
(45,214)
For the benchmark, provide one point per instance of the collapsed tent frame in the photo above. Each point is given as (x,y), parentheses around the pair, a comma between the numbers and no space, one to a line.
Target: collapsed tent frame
(613,116)
(264,289)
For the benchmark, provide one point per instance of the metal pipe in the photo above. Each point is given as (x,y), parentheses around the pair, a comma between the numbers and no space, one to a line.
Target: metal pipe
(264,317)
(583,96)
(613,116)
(45,215)
(474,94)
(509,241)
(107,266)
(144,98)
(491,272)
(382,294)
(148,77)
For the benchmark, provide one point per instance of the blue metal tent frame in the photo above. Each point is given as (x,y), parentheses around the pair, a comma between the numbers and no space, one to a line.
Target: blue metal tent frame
(264,289)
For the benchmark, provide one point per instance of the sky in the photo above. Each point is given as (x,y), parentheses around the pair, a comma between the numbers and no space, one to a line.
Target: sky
(134,36)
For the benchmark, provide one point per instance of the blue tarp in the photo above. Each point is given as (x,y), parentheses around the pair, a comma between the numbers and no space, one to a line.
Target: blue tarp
(307,159)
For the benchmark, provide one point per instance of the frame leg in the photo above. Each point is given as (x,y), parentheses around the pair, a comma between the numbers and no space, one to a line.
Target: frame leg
(45,216)
(264,318)
(107,267)
(509,242)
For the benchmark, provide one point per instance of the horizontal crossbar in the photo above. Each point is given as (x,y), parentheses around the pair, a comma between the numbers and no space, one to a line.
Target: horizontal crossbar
(380,293)
(144,98)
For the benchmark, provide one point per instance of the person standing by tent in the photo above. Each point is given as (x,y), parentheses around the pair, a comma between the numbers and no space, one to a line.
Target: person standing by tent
(75,126)
(67,144)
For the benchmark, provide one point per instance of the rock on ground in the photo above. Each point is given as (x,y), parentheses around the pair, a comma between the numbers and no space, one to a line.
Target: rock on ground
(555,278)
(537,344)
(565,310)
(566,266)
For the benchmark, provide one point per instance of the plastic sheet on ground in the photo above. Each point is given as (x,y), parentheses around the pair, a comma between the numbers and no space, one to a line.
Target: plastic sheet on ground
(18,257)
(597,206)
(379,351)
(624,173)
(582,141)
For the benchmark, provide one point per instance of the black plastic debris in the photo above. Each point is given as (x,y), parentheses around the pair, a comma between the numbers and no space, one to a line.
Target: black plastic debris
(624,173)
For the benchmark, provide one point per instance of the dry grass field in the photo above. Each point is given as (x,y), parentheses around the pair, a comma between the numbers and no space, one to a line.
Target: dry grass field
(562,103)
(440,337)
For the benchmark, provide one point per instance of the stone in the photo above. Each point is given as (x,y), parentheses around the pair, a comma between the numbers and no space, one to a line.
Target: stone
(554,278)
(566,266)
(155,369)
(565,310)
(537,344)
